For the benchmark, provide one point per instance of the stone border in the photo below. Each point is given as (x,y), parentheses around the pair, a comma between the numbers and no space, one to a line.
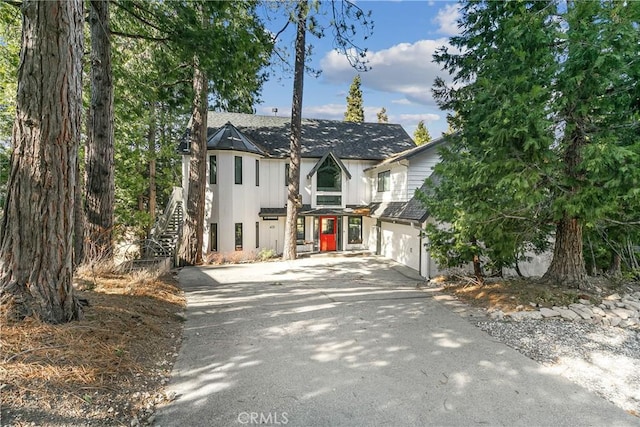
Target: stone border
(615,310)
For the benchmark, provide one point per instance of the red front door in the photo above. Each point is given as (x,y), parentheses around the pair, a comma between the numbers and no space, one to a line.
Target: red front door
(328,229)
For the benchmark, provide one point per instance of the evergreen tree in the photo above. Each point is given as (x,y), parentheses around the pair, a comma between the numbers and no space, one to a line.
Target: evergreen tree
(382,116)
(421,134)
(546,116)
(36,237)
(355,109)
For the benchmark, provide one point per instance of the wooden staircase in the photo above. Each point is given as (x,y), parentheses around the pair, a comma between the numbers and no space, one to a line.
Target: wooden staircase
(166,231)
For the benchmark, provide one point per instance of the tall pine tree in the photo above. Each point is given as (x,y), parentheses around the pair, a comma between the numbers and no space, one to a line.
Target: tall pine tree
(355,109)
(421,134)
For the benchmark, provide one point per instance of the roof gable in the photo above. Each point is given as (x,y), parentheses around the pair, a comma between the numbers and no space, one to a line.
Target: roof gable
(321,161)
(411,152)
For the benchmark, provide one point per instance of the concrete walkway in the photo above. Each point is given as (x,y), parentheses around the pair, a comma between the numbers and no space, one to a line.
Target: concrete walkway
(343,341)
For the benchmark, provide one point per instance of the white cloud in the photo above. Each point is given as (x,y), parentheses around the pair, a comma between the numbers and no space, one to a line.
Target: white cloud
(326,111)
(402,101)
(415,118)
(406,68)
(447,19)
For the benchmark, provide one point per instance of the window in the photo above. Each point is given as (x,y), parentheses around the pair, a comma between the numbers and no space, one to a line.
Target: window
(213,237)
(355,229)
(257,234)
(326,200)
(300,230)
(213,170)
(329,176)
(238,169)
(384,181)
(286,174)
(257,173)
(238,236)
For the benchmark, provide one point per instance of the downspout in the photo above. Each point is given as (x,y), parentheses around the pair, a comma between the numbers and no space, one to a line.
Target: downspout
(420,253)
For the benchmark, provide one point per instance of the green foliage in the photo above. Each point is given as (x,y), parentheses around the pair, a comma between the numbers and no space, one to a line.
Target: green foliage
(10,38)
(421,134)
(355,109)
(546,111)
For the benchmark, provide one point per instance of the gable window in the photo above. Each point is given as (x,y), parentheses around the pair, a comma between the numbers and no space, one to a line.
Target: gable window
(238,169)
(384,181)
(213,237)
(300,230)
(286,174)
(238,232)
(213,170)
(355,229)
(257,173)
(329,176)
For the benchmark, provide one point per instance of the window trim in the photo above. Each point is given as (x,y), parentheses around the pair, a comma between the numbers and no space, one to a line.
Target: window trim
(257,234)
(358,241)
(238,227)
(237,169)
(213,237)
(257,173)
(304,230)
(384,178)
(213,171)
(287,167)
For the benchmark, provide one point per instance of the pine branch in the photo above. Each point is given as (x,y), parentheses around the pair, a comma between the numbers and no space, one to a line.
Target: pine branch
(139,36)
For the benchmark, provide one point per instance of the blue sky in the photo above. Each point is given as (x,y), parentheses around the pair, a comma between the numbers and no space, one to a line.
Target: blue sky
(405,36)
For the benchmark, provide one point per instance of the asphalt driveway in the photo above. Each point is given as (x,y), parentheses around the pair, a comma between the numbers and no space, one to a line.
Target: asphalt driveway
(349,341)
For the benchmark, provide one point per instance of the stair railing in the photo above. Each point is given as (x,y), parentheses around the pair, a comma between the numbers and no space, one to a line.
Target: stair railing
(162,223)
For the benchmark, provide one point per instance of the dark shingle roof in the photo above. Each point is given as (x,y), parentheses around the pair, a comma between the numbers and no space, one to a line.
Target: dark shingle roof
(415,150)
(229,137)
(346,140)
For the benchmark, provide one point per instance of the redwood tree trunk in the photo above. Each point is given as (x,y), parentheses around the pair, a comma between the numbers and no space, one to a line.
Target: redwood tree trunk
(293,199)
(567,266)
(191,240)
(99,149)
(36,241)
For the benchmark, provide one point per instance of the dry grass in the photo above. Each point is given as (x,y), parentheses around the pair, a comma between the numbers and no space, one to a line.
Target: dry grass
(512,294)
(89,370)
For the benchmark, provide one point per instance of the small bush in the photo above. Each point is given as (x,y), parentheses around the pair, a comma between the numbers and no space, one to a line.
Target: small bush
(266,254)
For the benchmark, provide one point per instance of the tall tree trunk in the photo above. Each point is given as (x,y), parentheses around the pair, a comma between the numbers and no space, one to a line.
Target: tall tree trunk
(78,220)
(293,198)
(615,266)
(99,149)
(36,241)
(191,240)
(567,266)
(151,138)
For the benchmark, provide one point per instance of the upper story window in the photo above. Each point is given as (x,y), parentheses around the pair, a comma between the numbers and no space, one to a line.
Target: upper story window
(384,181)
(238,169)
(329,176)
(257,173)
(213,170)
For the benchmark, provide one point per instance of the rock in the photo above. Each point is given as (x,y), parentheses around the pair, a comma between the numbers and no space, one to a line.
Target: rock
(565,313)
(584,301)
(622,313)
(598,311)
(497,315)
(547,312)
(615,321)
(612,297)
(582,311)
(134,421)
(633,305)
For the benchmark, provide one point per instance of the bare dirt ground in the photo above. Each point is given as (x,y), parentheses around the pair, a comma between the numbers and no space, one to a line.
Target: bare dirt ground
(108,369)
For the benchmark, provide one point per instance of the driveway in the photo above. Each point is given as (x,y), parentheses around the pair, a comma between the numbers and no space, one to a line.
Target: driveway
(350,341)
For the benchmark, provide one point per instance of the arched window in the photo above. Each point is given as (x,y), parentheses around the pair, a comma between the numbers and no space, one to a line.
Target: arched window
(329,176)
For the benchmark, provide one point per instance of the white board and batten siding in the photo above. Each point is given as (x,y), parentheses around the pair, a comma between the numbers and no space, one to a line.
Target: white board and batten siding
(398,184)
(420,168)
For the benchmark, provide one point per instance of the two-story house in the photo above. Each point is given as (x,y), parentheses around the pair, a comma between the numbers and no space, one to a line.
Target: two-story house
(357,182)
